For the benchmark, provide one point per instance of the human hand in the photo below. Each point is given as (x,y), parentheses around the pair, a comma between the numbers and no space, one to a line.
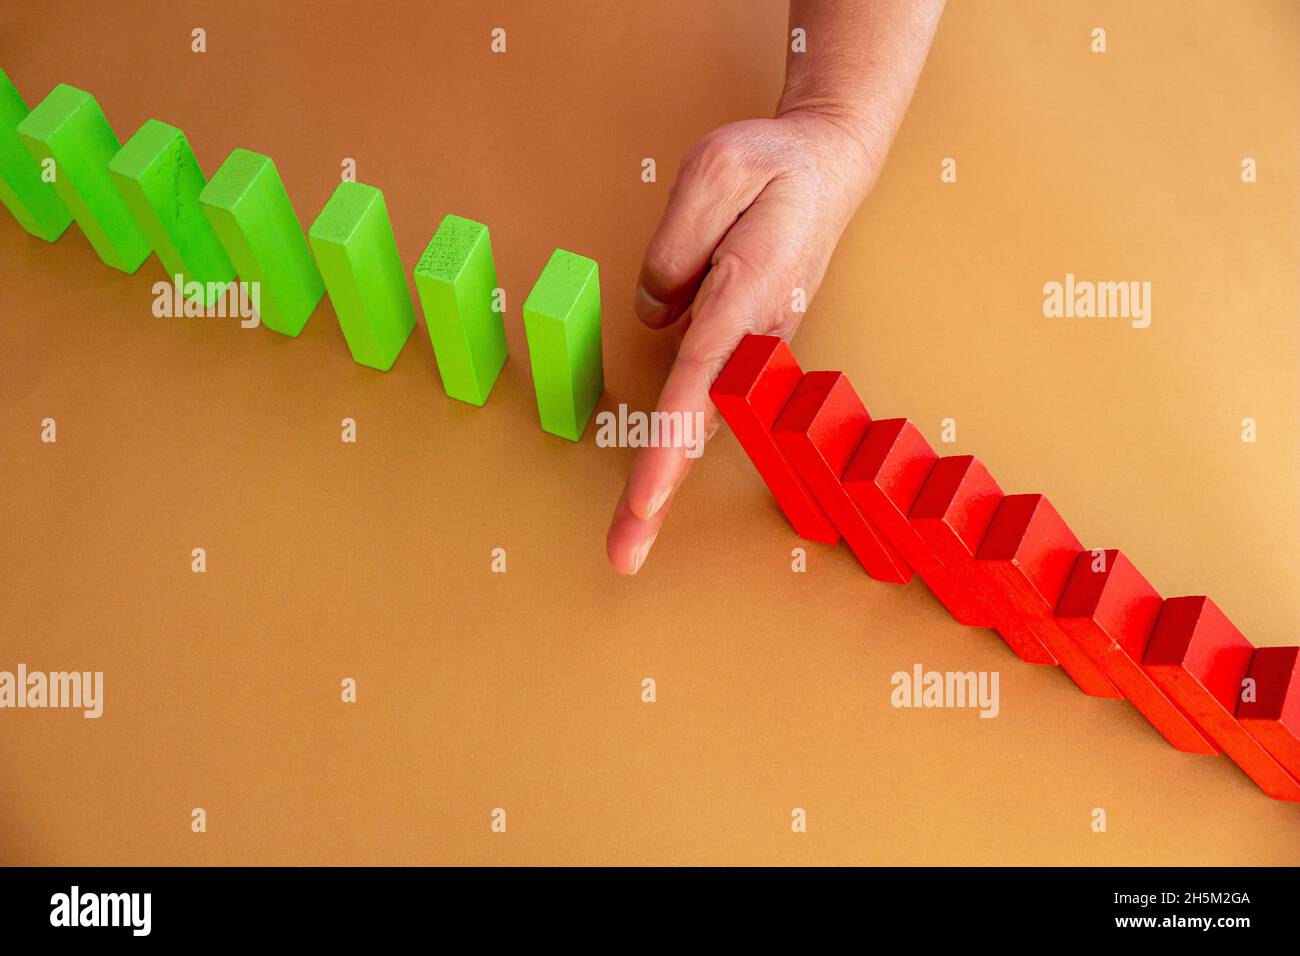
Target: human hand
(751,223)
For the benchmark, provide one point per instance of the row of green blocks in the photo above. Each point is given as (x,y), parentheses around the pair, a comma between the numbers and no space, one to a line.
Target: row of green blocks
(62,162)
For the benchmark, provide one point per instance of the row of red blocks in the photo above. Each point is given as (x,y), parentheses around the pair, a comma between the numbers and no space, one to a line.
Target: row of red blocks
(1009,562)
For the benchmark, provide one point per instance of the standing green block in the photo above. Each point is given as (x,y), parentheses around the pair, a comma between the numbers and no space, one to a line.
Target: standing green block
(363,273)
(34,203)
(254,219)
(160,180)
(69,127)
(457,282)
(562,322)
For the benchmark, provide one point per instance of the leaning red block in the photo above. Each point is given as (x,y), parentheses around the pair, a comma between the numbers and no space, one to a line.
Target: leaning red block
(951,513)
(750,392)
(884,477)
(1271,713)
(818,432)
(1030,551)
(1200,660)
(1110,610)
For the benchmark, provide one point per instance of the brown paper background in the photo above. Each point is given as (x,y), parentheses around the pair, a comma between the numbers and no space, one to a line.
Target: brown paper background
(522,690)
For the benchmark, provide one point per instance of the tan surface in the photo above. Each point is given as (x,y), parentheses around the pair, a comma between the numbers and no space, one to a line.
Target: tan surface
(522,691)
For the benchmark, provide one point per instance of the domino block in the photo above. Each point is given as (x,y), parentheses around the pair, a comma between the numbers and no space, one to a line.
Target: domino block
(32,200)
(1031,551)
(1273,716)
(456,280)
(69,127)
(252,216)
(753,387)
(1110,610)
(562,324)
(160,181)
(1200,659)
(952,512)
(884,477)
(357,255)
(818,431)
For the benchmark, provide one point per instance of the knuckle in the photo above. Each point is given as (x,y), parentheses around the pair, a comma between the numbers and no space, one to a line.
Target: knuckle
(706,362)
(752,296)
(715,158)
(663,265)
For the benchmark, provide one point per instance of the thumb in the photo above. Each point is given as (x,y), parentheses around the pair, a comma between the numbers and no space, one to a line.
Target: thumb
(719,177)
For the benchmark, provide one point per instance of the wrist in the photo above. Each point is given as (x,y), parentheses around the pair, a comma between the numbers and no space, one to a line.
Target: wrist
(849,134)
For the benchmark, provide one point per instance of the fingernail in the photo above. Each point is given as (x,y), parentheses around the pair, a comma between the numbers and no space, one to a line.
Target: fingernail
(650,309)
(657,502)
(641,553)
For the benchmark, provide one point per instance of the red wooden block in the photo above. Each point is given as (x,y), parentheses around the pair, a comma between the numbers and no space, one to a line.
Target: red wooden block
(818,431)
(750,392)
(1200,659)
(952,512)
(1031,551)
(1110,610)
(1273,717)
(883,479)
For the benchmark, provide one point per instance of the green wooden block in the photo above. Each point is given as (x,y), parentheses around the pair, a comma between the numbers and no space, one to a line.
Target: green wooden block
(33,202)
(562,322)
(357,254)
(69,127)
(254,219)
(160,181)
(457,280)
